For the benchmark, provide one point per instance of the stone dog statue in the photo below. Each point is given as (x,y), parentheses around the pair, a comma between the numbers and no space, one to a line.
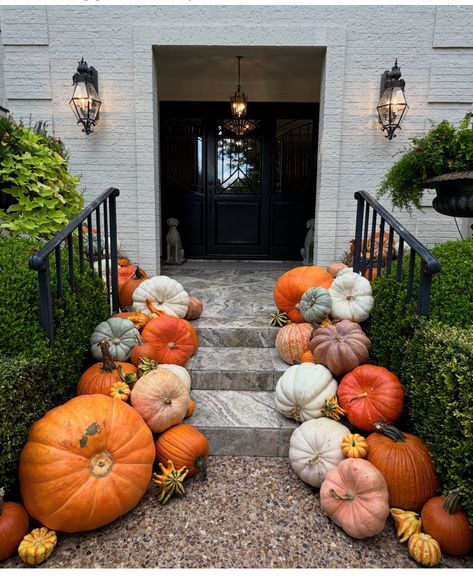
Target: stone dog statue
(174,250)
(308,251)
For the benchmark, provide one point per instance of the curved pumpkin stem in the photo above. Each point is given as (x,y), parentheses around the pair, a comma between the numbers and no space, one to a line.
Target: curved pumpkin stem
(390,431)
(107,361)
(153,309)
(347,495)
(364,394)
(451,502)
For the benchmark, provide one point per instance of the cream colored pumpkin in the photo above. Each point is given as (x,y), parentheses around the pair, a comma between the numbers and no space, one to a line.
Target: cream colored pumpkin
(180,371)
(302,390)
(161,399)
(166,294)
(121,335)
(315,447)
(352,297)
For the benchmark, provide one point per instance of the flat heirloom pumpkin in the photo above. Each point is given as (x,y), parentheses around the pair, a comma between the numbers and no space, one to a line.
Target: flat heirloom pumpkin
(352,297)
(302,390)
(355,496)
(293,340)
(165,294)
(121,335)
(86,463)
(315,447)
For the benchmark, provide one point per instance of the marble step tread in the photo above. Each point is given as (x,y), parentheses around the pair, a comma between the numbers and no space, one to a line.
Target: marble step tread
(248,332)
(241,423)
(235,368)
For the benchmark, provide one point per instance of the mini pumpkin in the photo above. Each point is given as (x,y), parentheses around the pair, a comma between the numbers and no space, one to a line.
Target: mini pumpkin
(121,335)
(354,446)
(335,267)
(36,547)
(185,446)
(302,390)
(355,496)
(293,340)
(352,297)
(194,309)
(407,523)
(340,347)
(120,390)
(424,549)
(190,409)
(164,293)
(14,523)
(315,304)
(307,357)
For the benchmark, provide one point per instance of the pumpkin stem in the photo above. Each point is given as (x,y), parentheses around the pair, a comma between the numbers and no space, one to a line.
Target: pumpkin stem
(452,500)
(107,361)
(128,378)
(171,345)
(390,431)
(347,495)
(138,275)
(2,496)
(201,466)
(153,309)
(364,394)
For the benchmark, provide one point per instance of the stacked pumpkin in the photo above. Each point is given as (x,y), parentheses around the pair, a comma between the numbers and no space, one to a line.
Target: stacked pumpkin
(90,460)
(331,379)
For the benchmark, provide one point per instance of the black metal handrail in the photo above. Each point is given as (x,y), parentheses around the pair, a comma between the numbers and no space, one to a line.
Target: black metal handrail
(371,255)
(104,204)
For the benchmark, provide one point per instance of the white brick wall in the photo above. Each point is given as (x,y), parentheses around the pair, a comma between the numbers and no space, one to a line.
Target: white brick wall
(42,44)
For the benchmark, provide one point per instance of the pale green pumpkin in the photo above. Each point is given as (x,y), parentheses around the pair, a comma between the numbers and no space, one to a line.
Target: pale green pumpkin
(315,304)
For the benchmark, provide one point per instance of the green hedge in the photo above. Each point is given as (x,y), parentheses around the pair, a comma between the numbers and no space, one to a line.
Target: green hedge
(434,359)
(34,377)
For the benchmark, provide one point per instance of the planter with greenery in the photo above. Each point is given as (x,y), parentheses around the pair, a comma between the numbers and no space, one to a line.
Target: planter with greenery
(445,149)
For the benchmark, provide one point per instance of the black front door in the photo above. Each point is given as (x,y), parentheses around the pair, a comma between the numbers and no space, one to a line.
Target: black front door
(236,196)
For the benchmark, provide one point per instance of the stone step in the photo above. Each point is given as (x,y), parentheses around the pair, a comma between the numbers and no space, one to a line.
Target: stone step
(241,423)
(246,332)
(235,368)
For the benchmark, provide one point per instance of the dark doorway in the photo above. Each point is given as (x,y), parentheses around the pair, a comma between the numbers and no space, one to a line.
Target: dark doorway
(239,197)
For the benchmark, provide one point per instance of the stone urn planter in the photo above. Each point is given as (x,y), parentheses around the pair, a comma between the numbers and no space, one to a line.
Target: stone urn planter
(454,193)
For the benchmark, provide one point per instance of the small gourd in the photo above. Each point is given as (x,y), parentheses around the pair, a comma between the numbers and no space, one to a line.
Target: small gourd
(37,546)
(121,335)
(120,390)
(354,446)
(424,549)
(407,523)
(315,304)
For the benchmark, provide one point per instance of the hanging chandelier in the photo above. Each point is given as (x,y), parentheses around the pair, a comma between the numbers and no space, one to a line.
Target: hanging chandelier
(238,105)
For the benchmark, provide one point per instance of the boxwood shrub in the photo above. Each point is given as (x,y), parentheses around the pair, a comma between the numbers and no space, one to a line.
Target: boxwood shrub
(33,376)
(434,359)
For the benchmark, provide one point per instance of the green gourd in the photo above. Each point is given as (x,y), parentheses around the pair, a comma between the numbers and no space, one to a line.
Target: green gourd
(315,304)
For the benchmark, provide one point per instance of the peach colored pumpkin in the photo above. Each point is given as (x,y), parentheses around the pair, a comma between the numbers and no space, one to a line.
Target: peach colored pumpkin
(161,399)
(355,496)
(335,267)
(195,308)
(293,340)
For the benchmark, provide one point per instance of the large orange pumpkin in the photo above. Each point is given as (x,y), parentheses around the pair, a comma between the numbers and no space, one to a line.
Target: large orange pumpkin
(405,464)
(185,446)
(129,282)
(193,332)
(293,284)
(293,340)
(86,463)
(371,394)
(100,377)
(172,338)
(14,524)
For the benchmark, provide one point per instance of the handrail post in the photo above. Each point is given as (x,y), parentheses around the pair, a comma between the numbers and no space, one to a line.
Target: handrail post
(358,231)
(46,302)
(423,299)
(113,249)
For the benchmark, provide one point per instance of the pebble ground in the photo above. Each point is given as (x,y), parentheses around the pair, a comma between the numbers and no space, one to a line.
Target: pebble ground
(250,512)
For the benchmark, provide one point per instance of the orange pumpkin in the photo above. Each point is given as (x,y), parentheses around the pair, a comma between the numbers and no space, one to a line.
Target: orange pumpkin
(148,350)
(86,463)
(307,357)
(447,523)
(293,284)
(138,318)
(128,281)
(193,332)
(185,446)
(14,522)
(371,394)
(293,340)
(101,376)
(195,308)
(405,464)
(172,338)
(190,409)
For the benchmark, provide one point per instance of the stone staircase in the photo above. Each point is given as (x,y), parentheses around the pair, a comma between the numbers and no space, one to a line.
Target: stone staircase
(235,370)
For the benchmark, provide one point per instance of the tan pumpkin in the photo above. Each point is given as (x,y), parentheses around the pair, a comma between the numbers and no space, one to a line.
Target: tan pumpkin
(195,308)
(161,399)
(354,446)
(340,347)
(293,340)
(335,267)
(424,549)
(355,496)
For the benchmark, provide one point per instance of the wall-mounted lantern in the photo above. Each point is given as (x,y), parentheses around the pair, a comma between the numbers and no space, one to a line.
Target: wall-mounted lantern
(85,101)
(392,104)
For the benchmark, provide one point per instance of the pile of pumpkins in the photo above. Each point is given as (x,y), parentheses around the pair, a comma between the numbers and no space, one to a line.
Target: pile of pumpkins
(90,460)
(333,391)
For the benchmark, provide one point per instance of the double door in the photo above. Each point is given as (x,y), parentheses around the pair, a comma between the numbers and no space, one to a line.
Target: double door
(239,197)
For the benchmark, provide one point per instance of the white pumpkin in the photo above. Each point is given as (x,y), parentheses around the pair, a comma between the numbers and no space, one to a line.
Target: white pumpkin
(121,335)
(181,373)
(315,447)
(352,297)
(346,270)
(302,390)
(165,293)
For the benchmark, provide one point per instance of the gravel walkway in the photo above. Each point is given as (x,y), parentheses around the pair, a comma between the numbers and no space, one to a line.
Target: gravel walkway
(250,512)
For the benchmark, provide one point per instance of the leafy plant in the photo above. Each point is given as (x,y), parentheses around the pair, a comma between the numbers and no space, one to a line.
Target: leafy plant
(443,149)
(39,196)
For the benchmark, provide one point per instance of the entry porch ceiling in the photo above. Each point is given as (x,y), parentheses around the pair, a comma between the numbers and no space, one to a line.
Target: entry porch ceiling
(267,73)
